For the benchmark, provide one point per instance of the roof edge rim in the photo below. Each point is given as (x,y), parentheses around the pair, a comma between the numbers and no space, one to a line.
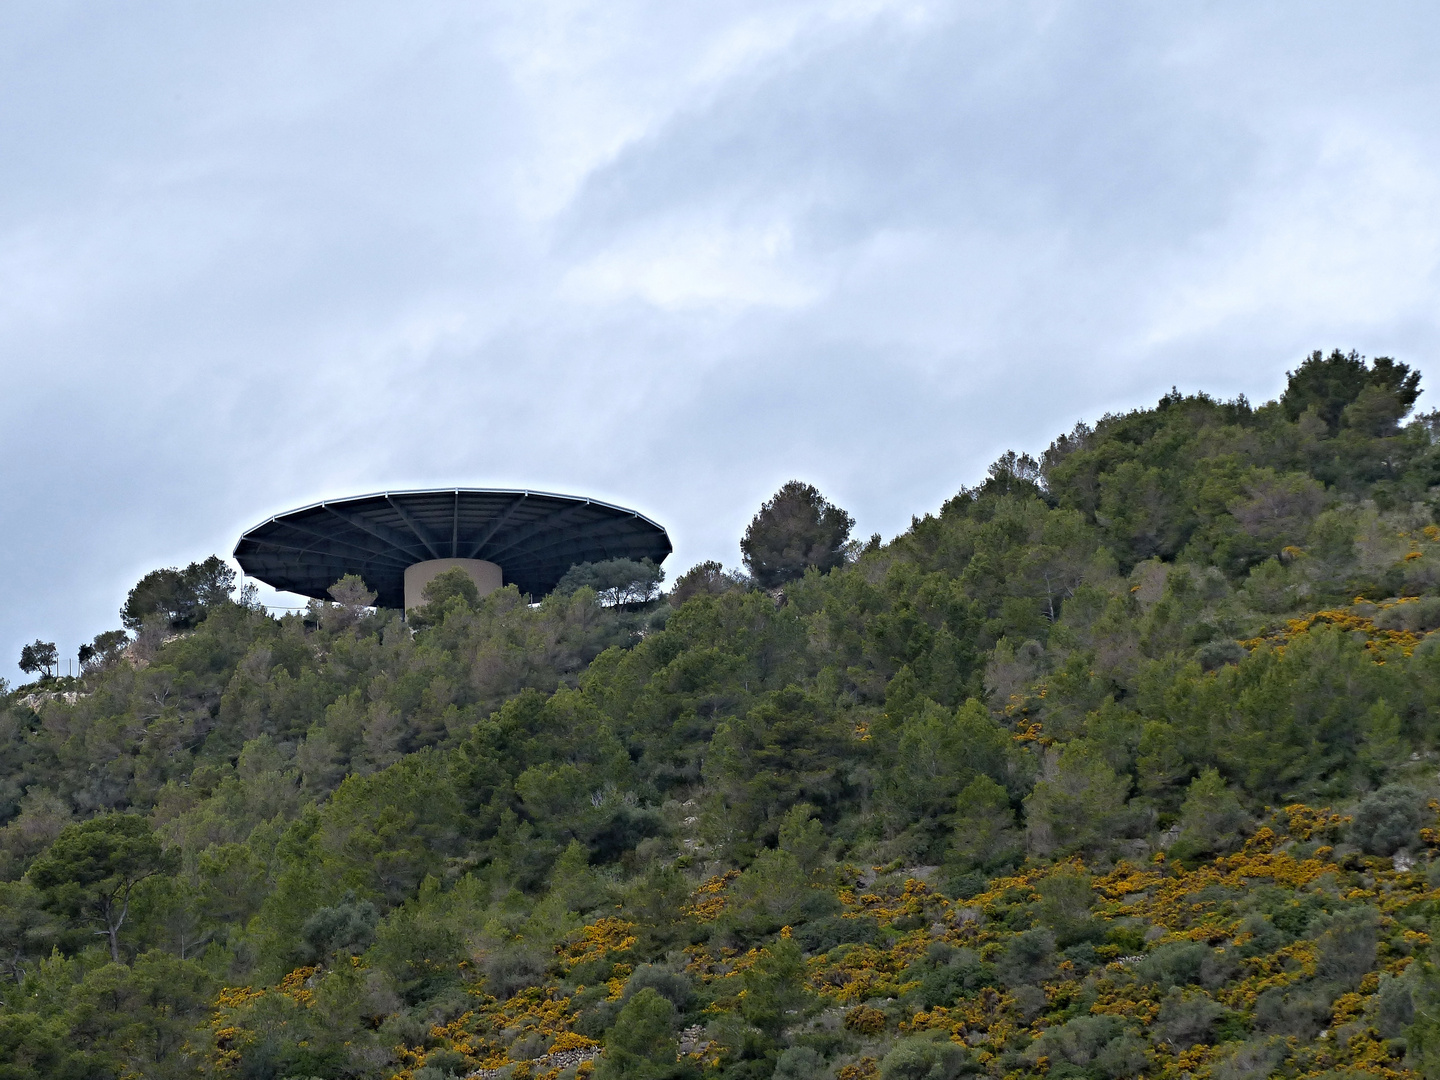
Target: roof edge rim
(456,490)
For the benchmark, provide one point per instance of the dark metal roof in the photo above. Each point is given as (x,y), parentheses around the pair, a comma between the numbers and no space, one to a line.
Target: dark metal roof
(534,536)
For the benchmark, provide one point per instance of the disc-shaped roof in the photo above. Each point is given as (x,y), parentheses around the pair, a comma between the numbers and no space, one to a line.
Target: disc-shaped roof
(534,537)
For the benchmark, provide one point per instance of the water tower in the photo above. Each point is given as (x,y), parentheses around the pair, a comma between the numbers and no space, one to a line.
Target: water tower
(397,541)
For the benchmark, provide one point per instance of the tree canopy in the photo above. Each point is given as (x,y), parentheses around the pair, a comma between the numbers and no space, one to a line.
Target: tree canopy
(617,582)
(39,658)
(180,598)
(795,530)
(1331,385)
(92,868)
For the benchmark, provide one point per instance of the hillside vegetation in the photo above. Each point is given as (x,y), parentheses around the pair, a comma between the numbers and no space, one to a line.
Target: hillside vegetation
(1122,763)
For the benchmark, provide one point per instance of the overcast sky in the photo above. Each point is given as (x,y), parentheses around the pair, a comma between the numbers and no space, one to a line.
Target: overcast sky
(665,254)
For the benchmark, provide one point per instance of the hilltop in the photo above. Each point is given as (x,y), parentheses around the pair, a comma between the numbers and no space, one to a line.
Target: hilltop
(1120,763)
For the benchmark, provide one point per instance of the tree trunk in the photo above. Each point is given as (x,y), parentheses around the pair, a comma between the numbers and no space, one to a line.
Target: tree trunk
(113,922)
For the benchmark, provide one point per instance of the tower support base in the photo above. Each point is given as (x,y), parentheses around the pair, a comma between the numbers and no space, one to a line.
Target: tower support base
(486,575)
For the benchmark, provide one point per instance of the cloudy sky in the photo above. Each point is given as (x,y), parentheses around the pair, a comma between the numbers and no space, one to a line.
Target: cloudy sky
(669,255)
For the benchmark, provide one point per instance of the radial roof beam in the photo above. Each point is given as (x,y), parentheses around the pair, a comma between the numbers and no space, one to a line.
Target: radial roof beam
(420,534)
(498,525)
(593,541)
(369,551)
(455,528)
(392,538)
(548,522)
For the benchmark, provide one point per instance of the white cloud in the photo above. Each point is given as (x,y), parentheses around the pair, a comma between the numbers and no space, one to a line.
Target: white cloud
(669,255)
(697,264)
(1347,224)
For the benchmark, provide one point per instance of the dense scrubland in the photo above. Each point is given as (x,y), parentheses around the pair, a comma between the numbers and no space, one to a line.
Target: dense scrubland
(1122,763)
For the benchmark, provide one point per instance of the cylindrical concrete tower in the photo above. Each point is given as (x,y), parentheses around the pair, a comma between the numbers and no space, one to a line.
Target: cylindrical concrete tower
(486,575)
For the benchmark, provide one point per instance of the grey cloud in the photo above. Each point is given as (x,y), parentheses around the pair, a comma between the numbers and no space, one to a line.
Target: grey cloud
(668,257)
